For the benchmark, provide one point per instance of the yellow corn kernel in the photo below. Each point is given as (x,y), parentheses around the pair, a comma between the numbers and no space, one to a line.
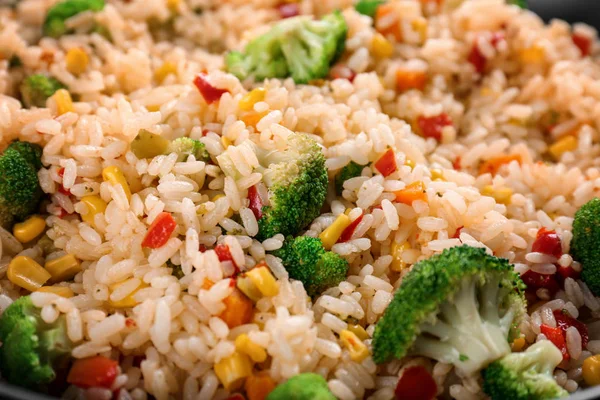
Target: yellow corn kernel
(419,25)
(77,60)
(518,344)
(128,301)
(26,273)
(485,91)
(244,345)
(64,103)
(114,175)
(381,47)
(358,350)
(532,55)
(63,268)
(410,163)
(397,249)
(29,229)
(591,370)
(172,5)
(153,108)
(225,142)
(247,287)
(95,205)
(165,70)
(149,145)
(217,197)
(264,281)
(502,195)
(437,174)
(359,331)
(251,118)
(62,291)
(233,370)
(567,143)
(251,98)
(331,235)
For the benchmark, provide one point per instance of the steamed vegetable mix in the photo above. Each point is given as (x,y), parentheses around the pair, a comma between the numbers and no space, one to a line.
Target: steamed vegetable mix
(458,307)
(300,47)
(32,351)
(306,260)
(55,22)
(296,179)
(37,88)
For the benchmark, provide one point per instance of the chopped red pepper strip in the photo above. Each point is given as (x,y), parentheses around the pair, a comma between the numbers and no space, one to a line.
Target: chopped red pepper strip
(547,242)
(63,190)
(255,202)
(159,231)
(457,232)
(583,42)
(567,272)
(535,280)
(432,127)
(456,164)
(564,321)
(477,59)
(208,91)
(340,71)
(386,164)
(347,233)
(416,383)
(93,372)
(224,254)
(556,336)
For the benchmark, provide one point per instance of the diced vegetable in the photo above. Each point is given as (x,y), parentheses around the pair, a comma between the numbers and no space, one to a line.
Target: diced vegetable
(556,336)
(262,278)
(77,60)
(159,231)
(368,7)
(518,344)
(26,273)
(129,300)
(114,175)
(168,68)
(208,91)
(259,386)
(432,127)
(387,21)
(232,371)
(95,371)
(386,164)
(412,192)
(358,350)
(416,383)
(64,102)
(349,231)
(148,145)
(493,165)
(564,321)
(244,345)
(591,370)
(239,310)
(407,79)
(547,242)
(255,203)
(396,251)
(224,254)
(251,98)
(333,232)
(341,71)
(501,195)
(95,205)
(63,268)
(54,24)
(535,281)
(29,229)
(359,331)
(288,10)
(562,145)
(381,47)
(583,43)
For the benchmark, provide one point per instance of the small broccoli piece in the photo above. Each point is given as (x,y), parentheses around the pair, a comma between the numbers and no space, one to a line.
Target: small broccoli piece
(585,246)
(31,152)
(14,62)
(32,351)
(458,307)
(520,3)
(37,88)
(20,191)
(526,375)
(306,260)
(351,170)
(300,47)
(185,146)
(296,179)
(306,386)
(368,7)
(176,270)
(54,24)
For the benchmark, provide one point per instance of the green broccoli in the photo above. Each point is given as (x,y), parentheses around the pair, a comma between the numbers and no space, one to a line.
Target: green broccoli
(457,307)
(176,270)
(351,170)
(526,375)
(520,3)
(185,146)
(585,246)
(300,47)
(54,24)
(306,260)
(32,351)
(297,182)
(37,88)
(20,191)
(368,7)
(306,386)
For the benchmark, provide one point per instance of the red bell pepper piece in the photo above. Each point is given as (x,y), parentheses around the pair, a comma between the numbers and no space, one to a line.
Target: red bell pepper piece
(160,231)
(535,280)
(255,202)
(433,126)
(347,233)
(93,372)
(583,42)
(416,383)
(564,321)
(208,91)
(556,336)
(547,242)
(386,164)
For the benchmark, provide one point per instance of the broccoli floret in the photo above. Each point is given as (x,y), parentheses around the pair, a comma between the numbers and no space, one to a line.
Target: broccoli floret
(37,88)
(351,170)
(585,246)
(306,260)
(520,3)
(54,24)
(185,146)
(31,152)
(306,386)
(368,7)
(32,351)
(457,307)
(300,47)
(526,375)
(20,191)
